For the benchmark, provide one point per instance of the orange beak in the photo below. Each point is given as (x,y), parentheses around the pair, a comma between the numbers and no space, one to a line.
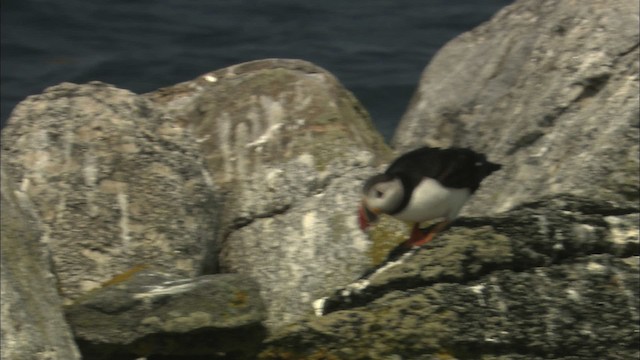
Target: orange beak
(366,216)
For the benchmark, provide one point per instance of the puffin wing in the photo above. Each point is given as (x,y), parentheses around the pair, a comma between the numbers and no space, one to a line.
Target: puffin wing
(453,167)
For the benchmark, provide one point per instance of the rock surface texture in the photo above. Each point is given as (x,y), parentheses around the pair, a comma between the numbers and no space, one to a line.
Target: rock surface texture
(549,266)
(554,279)
(115,184)
(289,148)
(548,87)
(161,314)
(146,203)
(33,324)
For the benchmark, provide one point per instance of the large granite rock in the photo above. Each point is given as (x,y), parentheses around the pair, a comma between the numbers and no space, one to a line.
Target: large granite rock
(33,325)
(548,88)
(116,184)
(152,314)
(555,279)
(289,146)
(549,271)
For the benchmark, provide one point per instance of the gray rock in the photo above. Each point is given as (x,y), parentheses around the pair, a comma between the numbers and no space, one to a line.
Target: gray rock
(552,279)
(116,184)
(546,87)
(289,146)
(33,325)
(159,314)
(550,270)
(286,148)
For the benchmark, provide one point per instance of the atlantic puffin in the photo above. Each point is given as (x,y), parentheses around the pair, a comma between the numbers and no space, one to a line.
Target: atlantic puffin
(423,185)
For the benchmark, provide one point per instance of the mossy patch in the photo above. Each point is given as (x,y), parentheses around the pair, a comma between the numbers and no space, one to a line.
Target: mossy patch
(385,236)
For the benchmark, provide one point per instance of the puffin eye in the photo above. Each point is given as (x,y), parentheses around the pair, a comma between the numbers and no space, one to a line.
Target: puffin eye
(378,193)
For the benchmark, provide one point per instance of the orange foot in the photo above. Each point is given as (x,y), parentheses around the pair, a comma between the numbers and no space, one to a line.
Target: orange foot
(419,238)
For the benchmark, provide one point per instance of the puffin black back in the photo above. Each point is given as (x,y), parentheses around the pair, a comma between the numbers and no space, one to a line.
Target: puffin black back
(452,167)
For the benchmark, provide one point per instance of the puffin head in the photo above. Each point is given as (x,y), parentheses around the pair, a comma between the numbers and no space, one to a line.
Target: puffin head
(380,194)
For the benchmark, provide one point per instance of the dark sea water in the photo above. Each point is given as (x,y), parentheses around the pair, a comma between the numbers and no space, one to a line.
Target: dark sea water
(377,48)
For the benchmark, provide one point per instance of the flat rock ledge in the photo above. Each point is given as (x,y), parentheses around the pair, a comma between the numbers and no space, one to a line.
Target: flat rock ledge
(153,314)
(557,278)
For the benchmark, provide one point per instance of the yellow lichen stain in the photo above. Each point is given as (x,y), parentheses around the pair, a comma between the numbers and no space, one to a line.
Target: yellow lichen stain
(241,298)
(280,354)
(445,355)
(322,355)
(124,276)
(273,354)
(385,236)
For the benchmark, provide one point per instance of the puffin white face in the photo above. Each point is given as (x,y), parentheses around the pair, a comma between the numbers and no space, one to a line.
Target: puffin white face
(384,196)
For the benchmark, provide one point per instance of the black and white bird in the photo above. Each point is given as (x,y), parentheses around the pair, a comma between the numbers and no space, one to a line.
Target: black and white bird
(423,185)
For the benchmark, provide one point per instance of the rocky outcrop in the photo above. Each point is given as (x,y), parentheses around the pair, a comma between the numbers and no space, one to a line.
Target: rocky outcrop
(553,279)
(139,229)
(289,148)
(547,87)
(548,268)
(159,314)
(115,184)
(33,325)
